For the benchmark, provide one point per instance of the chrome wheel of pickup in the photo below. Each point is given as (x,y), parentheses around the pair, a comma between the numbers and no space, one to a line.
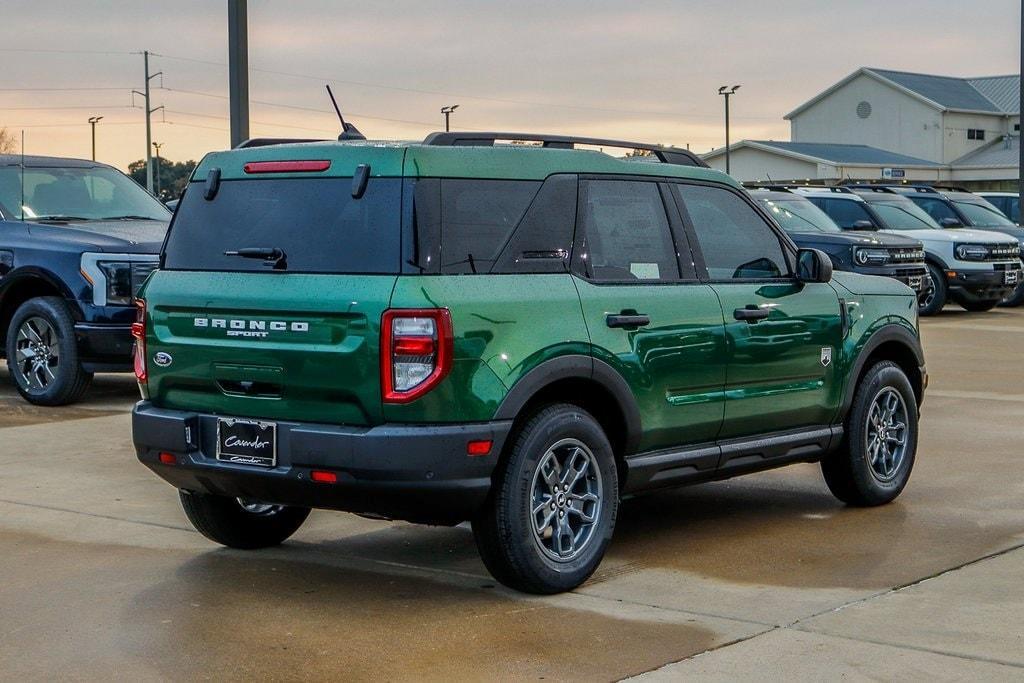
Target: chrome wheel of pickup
(37,354)
(565,499)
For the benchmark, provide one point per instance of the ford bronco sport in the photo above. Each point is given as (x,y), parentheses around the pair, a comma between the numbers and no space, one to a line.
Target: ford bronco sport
(519,335)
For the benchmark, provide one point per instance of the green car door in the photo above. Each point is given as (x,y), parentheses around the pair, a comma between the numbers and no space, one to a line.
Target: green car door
(782,333)
(648,315)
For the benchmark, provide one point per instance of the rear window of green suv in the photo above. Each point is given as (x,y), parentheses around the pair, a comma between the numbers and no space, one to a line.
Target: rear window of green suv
(316,222)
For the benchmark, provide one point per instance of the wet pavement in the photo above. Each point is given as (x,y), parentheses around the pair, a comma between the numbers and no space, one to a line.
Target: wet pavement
(760,577)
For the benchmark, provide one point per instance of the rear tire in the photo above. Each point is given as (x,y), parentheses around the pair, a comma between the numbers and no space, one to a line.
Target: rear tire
(552,509)
(933,300)
(42,353)
(224,520)
(880,442)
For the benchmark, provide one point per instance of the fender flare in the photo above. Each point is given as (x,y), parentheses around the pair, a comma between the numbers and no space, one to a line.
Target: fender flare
(576,366)
(890,332)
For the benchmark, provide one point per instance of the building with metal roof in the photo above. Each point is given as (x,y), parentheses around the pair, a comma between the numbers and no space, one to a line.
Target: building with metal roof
(895,124)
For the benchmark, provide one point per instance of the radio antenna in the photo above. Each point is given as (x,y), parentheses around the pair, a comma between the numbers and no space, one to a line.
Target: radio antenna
(348,131)
(21,208)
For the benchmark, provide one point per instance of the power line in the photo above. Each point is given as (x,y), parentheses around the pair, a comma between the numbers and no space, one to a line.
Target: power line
(67,52)
(98,106)
(76,89)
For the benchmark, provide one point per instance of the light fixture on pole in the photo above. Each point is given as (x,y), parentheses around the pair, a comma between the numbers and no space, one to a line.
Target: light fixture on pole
(157,146)
(93,120)
(447,111)
(725,91)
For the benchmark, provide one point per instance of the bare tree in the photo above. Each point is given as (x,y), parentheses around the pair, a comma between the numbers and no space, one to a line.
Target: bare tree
(7,144)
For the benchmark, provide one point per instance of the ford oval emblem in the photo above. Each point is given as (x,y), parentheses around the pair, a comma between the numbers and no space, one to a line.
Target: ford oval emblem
(162,359)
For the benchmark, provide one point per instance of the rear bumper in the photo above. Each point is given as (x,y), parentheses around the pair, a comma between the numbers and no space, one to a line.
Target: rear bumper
(416,472)
(104,348)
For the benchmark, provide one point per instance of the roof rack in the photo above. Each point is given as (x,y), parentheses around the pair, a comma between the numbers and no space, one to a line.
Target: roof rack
(768,186)
(890,187)
(267,142)
(949,188)
(666,155)
(867,187)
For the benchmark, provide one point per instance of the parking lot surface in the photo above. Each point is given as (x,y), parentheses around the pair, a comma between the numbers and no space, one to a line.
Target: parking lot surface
(760,577)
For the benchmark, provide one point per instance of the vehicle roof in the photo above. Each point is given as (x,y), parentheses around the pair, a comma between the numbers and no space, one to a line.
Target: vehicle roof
(35,161)
(985,193)
(394,159)
(776,196)
(827,192)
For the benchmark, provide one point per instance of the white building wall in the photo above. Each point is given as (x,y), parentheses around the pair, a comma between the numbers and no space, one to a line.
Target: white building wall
(752,165)
(898,122)
(955,126)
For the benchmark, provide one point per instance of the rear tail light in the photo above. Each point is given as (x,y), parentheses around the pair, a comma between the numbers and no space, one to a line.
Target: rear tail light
(416,352)
(139,333)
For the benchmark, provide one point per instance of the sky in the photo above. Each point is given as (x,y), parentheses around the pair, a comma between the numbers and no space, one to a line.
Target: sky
(634,70)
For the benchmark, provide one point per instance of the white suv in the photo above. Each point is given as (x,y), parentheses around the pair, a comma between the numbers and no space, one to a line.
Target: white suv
(975,268)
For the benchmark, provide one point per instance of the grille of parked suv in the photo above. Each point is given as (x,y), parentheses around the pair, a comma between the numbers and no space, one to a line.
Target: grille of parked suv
(906,255)
(1001,252)
(140,271)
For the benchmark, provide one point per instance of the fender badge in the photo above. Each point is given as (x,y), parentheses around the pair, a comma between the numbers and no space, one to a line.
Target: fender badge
(826,355)
(162,359)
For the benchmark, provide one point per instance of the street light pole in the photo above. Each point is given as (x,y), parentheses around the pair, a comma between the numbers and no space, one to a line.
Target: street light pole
(447,111)
(93,120)
(238,70)
(157,146)
(725,91)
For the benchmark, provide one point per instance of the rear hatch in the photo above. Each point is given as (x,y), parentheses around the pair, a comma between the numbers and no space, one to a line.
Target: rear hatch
(292,333)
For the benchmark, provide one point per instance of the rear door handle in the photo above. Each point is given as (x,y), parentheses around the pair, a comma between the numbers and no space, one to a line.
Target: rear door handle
(628,320)
(751,313)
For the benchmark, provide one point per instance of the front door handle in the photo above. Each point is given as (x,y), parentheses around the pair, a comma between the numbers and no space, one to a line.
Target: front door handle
(751,313)
(629,320)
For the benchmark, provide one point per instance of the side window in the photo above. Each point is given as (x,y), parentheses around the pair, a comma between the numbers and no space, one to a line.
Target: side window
(627,232)
(935,208)
(543,240)
(736,242)
(477,219)
(846,212)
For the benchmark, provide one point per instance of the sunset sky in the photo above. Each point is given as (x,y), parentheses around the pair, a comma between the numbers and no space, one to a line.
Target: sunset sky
(635,70)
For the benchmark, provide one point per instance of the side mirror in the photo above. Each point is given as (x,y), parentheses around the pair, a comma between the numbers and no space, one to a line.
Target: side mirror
(863,225)
(813,265)
(950,223)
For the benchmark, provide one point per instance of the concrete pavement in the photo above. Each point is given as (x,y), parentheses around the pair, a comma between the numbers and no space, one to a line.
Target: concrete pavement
(761,577)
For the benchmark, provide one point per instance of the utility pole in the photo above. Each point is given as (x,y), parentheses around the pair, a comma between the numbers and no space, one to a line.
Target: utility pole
(725,91)
(93,120)
(149,123)
(447,111)
(157,146)
(1020,109)
(238,70)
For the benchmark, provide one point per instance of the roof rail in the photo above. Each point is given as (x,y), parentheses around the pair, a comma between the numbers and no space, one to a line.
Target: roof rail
(666,155)
(868,187)
(892,187)
(949,188)
(773,187)
(267,142)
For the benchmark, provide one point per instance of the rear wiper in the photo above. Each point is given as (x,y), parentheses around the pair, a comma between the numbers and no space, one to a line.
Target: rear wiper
(274,254)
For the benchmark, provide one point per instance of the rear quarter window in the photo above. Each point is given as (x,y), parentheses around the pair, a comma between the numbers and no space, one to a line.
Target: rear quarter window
(315,221)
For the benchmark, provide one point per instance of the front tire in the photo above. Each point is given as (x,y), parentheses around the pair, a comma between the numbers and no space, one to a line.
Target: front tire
(42,354)
(239,523)
(553,505)
(932,300)
(880,444)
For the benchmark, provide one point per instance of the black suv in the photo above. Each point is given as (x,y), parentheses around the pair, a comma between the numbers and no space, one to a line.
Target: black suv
(77,239)
(865,251)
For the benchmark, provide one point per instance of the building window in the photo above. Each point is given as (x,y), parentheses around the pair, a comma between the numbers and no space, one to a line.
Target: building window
(975,134)
(1016,128)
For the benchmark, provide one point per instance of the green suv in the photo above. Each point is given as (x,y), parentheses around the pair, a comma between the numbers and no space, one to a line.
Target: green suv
(519,335)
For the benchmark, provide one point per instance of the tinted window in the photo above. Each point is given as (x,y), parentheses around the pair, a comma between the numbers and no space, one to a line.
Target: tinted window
(845,212)
(736,242)
(543,240)
(936,208)
(627,232)
(983,216)
(799,215)
(315,222)
(90,193)
(477,219)
(903,215)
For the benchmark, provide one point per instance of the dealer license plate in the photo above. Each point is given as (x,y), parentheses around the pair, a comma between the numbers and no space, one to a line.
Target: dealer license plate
(247,442)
